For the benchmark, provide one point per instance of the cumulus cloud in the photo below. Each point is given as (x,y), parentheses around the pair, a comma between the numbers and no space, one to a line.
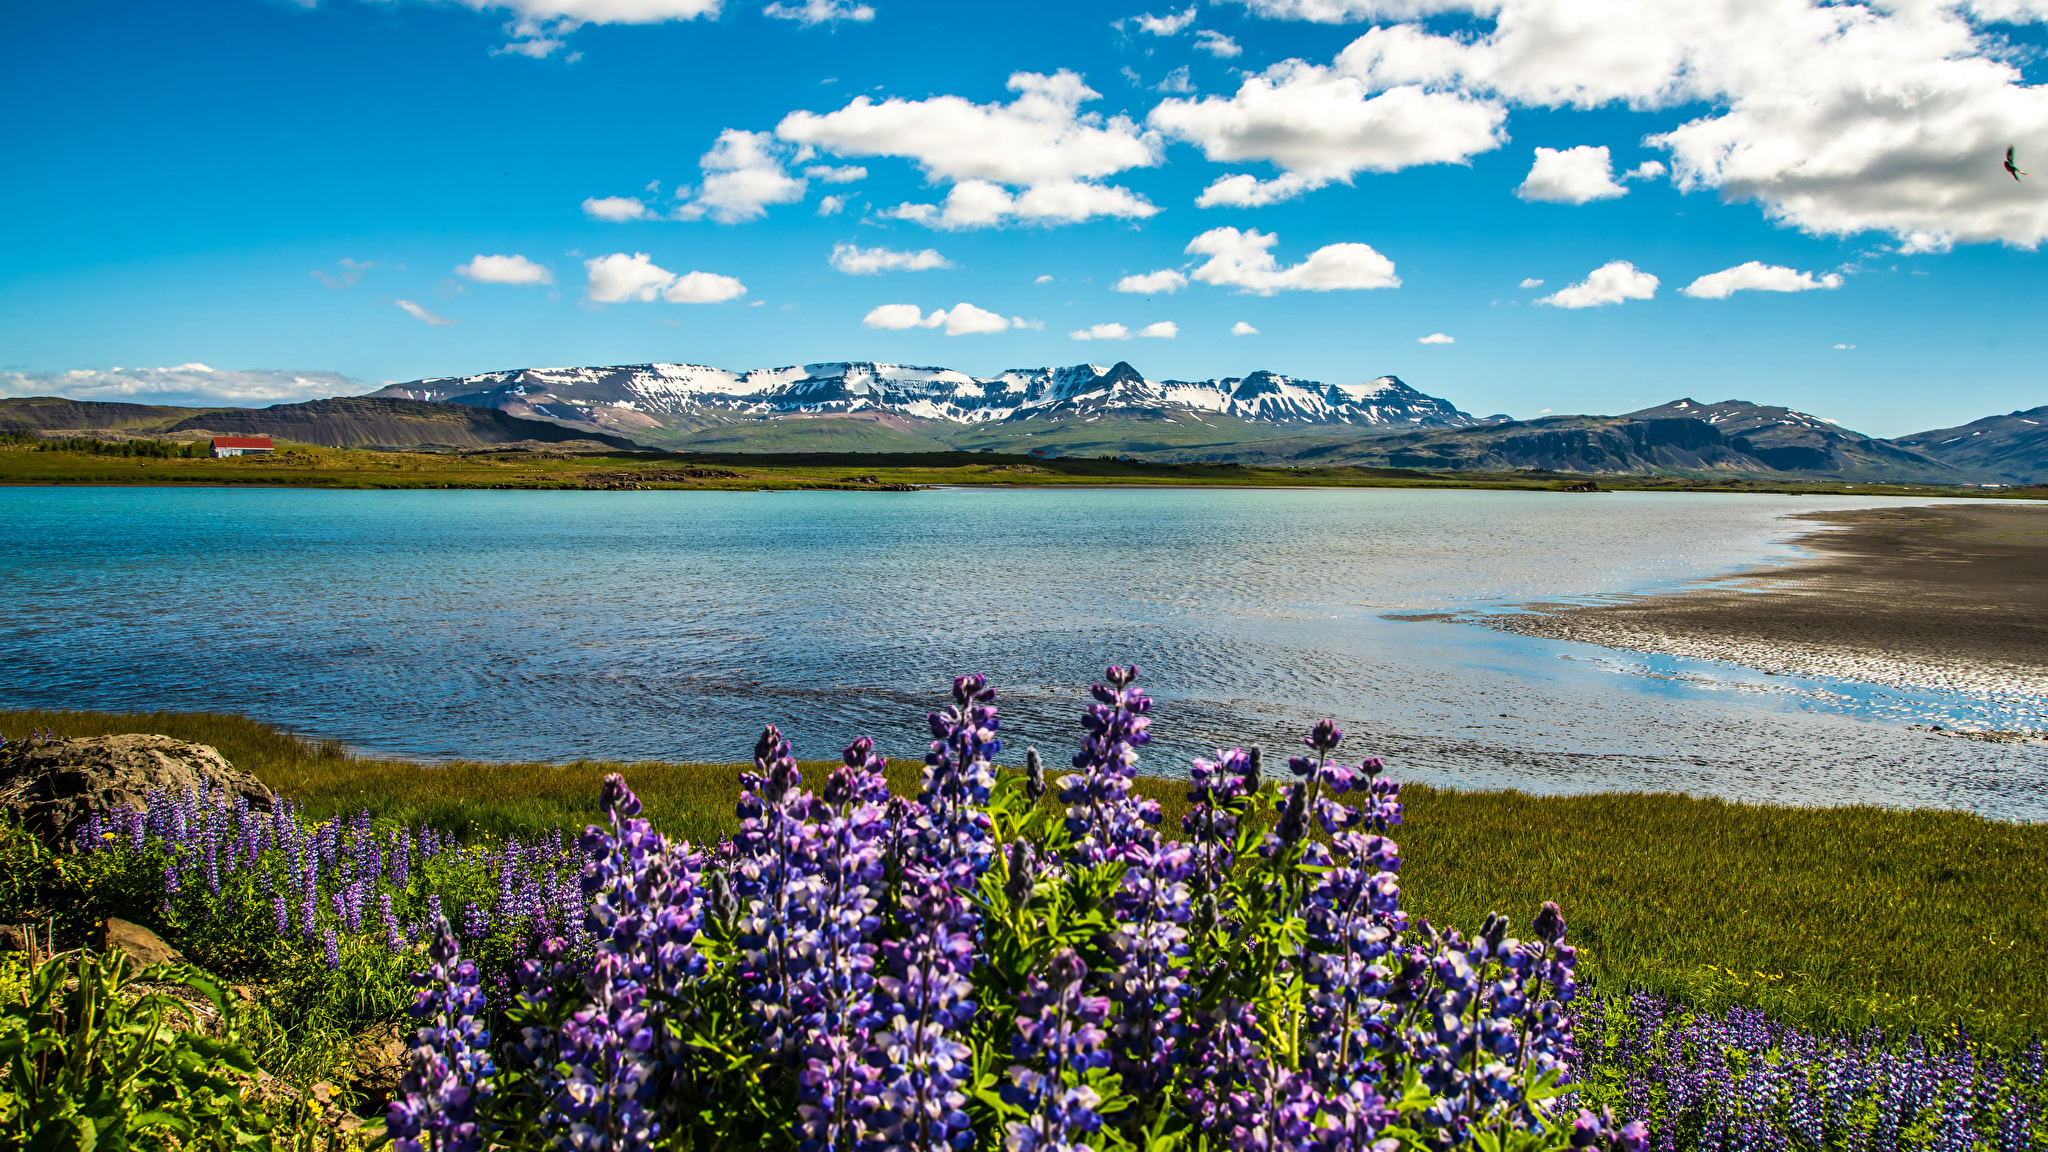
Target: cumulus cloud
(1163,330)
(420,313)
(980,204)
(1242,260)
(505,270)
(1040,142)
(1531,282)
(618,278)
(1647,170)
(1170,24)
(1319,125)
(743,174)
(1178,82)
(1102,332)
(961,319)
(1435,338)
(1045,279)
(1755,275)
(1571,176)
(857,261)
(831,205)
(617,209)
(192,383)
(1611,283)
(1217,44)
(1243,329)
(819,12)
(1835,118)
(830,175)
(538,26)
(1153,283)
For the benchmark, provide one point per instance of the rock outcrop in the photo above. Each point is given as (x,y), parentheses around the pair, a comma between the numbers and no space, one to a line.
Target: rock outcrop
(52,785)
(142,946)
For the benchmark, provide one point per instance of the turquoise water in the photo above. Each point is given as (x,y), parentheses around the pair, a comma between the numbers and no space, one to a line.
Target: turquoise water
(556,625)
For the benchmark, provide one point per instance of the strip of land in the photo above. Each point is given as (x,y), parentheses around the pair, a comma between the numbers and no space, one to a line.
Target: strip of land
(593,467)
(1949,596)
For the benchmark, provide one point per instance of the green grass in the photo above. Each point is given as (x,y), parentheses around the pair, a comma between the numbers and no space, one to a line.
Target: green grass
(1833,917)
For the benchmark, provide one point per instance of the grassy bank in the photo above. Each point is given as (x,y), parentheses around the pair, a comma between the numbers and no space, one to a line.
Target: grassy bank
(305,466)
(1836,917)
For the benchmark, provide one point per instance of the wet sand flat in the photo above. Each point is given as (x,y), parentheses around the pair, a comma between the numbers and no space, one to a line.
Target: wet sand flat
(1948,596)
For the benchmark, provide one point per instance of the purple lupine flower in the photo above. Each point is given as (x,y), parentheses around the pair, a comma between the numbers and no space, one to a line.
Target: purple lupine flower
(282,911)
(1152,907)
(476,923)
(835,1084)
(333,951)
(394,939)
(1059,1030)
(919,1095)
(401,859)
(776,842)
(435,1110)
(955,835)
(1102,814)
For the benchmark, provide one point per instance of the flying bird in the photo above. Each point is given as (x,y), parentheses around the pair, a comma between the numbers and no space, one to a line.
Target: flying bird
(2010,167)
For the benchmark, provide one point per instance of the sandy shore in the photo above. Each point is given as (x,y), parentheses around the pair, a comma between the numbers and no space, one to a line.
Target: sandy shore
(1950,596)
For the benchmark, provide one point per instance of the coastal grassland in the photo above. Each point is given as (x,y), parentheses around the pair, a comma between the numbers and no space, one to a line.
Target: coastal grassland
(1828,918)
(308,466)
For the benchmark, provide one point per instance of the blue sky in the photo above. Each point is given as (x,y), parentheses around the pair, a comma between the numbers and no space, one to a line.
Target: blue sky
(255,184)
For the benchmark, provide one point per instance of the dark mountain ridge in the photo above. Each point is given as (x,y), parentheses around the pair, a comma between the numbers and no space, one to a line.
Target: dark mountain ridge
(2011,449)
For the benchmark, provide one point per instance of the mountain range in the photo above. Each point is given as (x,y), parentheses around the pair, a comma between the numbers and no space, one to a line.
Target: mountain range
(1088,409)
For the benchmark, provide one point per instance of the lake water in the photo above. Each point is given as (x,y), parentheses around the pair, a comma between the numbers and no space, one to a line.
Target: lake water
(671,625)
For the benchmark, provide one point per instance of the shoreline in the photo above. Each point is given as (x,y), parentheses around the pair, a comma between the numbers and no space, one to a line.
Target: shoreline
(1951,597)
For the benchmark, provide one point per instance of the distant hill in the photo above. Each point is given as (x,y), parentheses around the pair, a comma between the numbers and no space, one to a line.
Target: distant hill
(2012,448)
(342,422)
(1684,438)
(57,414)
(355,421)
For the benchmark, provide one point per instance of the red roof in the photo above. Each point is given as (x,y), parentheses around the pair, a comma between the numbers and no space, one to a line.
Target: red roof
(242,442)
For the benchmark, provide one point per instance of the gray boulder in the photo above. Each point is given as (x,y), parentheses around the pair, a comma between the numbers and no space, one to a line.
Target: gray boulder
(51,785)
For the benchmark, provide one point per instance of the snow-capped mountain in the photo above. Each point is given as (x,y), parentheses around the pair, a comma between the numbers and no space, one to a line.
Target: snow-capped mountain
(647,397)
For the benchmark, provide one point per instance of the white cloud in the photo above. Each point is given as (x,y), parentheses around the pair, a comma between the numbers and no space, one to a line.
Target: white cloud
(820,12)
(617,278)
(1040,142)
(1045,279)
(1758,276)
(1531,282)
(421,314)
(961,319)
(351,273)
(1241,260)
(1571,176)
(1217,44)
(857,261)
(1102,332)
(505,270)
(830,175)
(1611,283)
(1164,330)
(980,204)
(539,25)
(1245,190)
(894,317)
(1152,283)
(1178,82)
(193,383)
(1243,329)
(1170,24)
(831,205)
(703,288)
(617,209)
(1836,118)
(1647,170)
(1844,347)
(1318,124)
(1435,338)
(743,174)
